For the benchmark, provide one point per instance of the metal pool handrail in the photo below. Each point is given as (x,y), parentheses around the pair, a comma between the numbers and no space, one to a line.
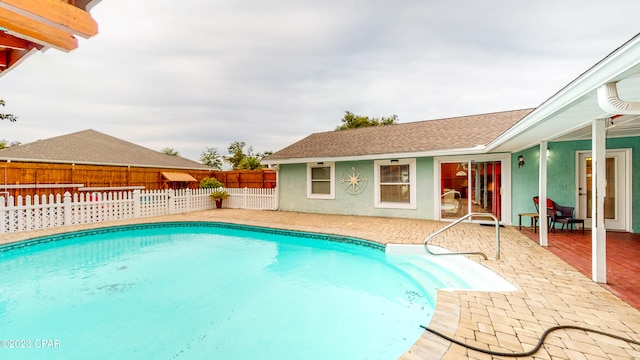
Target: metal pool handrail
(426,241)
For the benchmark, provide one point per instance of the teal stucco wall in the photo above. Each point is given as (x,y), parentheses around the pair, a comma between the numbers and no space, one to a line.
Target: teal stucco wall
(561,175)
(292,182)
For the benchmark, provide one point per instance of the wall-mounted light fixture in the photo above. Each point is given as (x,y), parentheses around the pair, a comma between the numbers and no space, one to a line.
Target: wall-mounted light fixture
(520,161)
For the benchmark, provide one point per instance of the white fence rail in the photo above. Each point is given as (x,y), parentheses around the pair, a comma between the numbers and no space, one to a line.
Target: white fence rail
(41,212)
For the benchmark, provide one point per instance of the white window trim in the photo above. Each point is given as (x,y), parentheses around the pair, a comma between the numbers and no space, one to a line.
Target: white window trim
(332,186)
(413,185)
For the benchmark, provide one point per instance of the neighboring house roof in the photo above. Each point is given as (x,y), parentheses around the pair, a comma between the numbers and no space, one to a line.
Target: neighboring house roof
(95,148)
(451,135)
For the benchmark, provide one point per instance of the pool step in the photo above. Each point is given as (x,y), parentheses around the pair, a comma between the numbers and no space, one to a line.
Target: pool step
(429,275)
(455,272)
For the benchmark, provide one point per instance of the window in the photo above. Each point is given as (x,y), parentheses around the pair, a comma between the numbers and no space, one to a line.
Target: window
(395,183)
(321,180)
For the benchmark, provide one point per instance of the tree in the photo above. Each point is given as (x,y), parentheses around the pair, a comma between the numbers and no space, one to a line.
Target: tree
(250,163)
(244,161)
(253,162)
(169,151)
(5,144)
(352,121)
(9,117)
(236,153)
(210,157)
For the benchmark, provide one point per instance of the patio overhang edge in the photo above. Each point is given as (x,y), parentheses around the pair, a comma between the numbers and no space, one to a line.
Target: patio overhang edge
(621,63)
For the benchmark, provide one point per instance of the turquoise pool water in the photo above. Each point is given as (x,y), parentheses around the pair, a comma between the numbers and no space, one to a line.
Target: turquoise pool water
(206,291)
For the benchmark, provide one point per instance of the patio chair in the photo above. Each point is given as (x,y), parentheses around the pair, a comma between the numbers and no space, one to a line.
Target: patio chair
(564,215)
(536,202)
(559,214)
(450,203)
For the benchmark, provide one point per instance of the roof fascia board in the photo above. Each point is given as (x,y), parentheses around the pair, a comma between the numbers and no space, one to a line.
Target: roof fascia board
(35,31)
(447,152)
(612,67)
(58,14)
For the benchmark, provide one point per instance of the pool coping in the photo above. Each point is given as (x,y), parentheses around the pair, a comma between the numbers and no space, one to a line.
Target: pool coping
(213,224)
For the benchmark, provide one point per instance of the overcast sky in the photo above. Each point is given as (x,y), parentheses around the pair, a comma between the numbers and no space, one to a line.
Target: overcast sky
(194,74)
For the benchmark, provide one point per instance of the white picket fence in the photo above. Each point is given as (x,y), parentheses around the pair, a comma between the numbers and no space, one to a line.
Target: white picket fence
(41,212)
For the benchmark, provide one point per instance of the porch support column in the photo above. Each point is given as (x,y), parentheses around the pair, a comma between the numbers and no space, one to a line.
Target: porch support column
(598,188)
(542,196)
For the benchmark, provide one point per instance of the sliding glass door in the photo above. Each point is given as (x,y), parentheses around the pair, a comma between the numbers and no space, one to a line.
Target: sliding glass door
(470,186)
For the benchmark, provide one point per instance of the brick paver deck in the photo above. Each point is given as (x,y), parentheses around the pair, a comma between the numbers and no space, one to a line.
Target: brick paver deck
(550,292)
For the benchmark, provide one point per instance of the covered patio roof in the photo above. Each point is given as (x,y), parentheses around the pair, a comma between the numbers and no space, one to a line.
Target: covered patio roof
(601,103)
(30,25)
(569,113)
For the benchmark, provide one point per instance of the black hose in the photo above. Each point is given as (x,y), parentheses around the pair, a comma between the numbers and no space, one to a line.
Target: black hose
(535,348)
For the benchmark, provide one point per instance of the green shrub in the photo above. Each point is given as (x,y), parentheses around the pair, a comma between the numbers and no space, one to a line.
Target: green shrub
(210,183)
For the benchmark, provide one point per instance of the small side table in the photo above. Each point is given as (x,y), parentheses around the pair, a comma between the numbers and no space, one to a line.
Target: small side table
(534,220)
(570,223)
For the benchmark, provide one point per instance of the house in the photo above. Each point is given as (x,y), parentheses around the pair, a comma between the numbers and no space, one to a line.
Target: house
(397,170)
(579,148)
(92,161)
(29,26)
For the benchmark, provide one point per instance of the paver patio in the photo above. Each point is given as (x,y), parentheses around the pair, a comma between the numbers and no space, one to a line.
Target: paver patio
(623,253)
(550,291)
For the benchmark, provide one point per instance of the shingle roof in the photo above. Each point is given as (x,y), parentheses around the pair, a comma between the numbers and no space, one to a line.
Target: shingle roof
(423,136)
(93,147)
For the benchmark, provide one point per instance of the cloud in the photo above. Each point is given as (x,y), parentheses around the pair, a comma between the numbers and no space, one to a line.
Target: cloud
(197,74)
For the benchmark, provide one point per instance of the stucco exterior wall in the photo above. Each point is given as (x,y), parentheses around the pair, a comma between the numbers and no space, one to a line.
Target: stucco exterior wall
(561,175)
(293,192)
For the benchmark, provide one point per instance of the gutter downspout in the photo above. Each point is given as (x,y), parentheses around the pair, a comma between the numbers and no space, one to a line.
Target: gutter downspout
(609,101)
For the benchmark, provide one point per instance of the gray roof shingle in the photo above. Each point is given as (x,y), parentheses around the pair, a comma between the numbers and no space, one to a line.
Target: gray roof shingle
(432,135)
(93,147)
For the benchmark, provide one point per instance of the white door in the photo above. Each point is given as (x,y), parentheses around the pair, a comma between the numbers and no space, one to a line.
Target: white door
(616,202)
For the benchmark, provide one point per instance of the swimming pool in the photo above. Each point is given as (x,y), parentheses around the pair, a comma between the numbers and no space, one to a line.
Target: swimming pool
(213,290)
